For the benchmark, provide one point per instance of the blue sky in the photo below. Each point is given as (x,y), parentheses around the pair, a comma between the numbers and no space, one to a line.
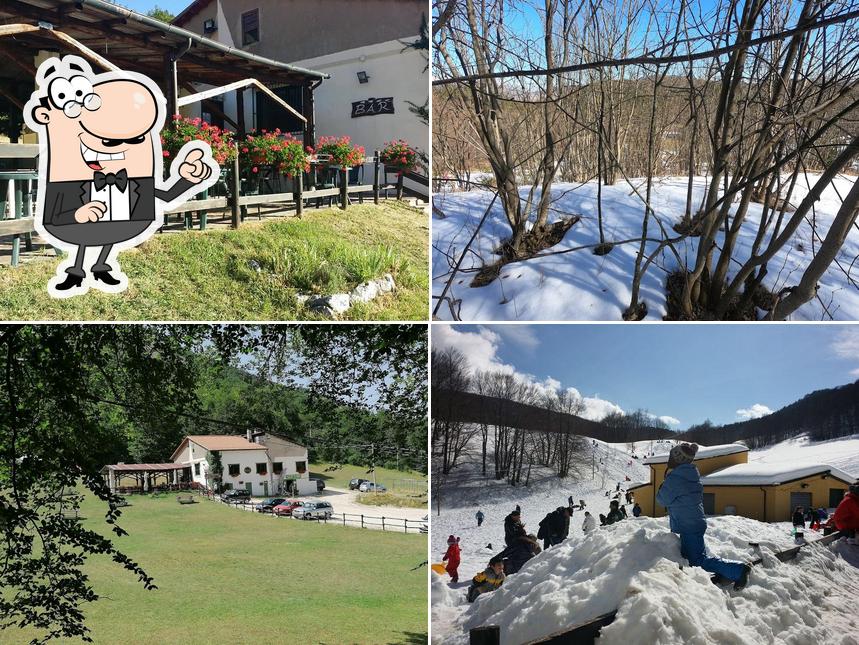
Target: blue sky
(686,372)
(142,6)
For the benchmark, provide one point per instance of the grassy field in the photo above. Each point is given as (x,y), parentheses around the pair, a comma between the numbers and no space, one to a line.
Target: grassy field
(230,576)
(253,273)
(340,477)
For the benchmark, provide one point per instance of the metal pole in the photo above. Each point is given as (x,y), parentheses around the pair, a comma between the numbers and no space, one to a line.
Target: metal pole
(299,200)
(376,177)
(344,188)
(236,186)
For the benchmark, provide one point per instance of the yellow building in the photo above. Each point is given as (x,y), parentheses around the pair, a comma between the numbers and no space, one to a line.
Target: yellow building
(732,486)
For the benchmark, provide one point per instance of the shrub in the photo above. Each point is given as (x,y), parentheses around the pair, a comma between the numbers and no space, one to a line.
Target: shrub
(182,130)
(400,155)
(341,150)
(283,151)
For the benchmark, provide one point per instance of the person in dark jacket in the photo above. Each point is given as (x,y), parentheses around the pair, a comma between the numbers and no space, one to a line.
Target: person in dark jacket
(518,553)
(614,514)
(798,517)
(513,527)
(683,495)
(636,510)
(555,527)
(623,511)
(487,580)
(479,515)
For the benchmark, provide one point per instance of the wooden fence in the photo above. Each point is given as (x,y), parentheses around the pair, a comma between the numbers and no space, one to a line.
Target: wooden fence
(21,222)
(359,520)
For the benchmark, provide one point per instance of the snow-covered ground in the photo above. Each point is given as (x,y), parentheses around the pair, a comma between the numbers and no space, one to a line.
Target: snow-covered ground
(582,286)
(633,565)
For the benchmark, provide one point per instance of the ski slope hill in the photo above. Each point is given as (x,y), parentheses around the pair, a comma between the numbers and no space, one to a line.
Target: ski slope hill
(634,565)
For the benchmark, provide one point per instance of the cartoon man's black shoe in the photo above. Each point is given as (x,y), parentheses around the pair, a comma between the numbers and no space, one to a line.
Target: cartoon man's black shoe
(70,282)
(105,277)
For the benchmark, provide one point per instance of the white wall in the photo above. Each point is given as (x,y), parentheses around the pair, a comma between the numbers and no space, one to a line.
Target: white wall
(392,72)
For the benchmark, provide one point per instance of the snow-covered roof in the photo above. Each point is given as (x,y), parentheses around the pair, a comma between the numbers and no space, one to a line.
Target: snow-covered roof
(757,474)
(704,452)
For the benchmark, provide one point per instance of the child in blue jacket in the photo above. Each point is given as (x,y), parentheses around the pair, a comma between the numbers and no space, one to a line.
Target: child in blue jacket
(683,495)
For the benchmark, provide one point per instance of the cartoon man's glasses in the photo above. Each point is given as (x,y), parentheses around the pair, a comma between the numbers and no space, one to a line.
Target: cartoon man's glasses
(73,95)
(72,109)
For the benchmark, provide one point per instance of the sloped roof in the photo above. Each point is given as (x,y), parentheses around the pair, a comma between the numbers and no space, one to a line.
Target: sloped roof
(704,452)
(756,474)
(218,442)
(143,467)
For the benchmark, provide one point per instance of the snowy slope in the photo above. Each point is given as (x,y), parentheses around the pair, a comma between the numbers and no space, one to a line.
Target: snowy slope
(582,286)
(634,565)
(843,453)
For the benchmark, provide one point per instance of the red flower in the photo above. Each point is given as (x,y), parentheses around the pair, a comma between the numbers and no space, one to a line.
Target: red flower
(165,153)
(255,169)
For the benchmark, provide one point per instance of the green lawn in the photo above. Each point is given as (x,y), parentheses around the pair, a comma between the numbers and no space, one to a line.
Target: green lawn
(253,273)
(230,576)
(340,477)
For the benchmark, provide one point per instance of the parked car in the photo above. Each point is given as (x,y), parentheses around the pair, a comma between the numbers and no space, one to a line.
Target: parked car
(235,495)
(266,505)
(369,487)
(320,485)
(355,484)
(287,507)
(313,511)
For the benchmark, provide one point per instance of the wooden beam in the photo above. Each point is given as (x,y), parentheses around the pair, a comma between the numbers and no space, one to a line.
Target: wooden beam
(18,28)
(10,96)
(26,66)
(215,91)
(16,226)
(85,51)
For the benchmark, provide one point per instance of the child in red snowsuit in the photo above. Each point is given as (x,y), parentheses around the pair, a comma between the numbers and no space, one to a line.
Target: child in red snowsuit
(847,514)
(452,557)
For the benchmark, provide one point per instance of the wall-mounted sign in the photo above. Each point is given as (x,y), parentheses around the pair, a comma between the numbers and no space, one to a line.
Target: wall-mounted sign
(372,107)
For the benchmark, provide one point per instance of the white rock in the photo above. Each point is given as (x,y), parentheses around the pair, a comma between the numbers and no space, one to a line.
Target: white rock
(338,302)
(302,298)
(386,283)
(364,292)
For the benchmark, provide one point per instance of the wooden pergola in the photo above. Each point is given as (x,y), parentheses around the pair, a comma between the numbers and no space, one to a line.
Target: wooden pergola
(111,36)
(144,475)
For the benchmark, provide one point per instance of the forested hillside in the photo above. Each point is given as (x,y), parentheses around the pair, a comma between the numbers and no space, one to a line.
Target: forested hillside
(824,414)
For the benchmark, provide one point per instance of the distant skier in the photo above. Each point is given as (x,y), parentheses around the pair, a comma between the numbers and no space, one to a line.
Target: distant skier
(617,489)
(846,516)
(452,556)
(614,514)
(581,504)
(487,580)
(479,515)
(798,518)
(683,495)
(589,524)
(636,510)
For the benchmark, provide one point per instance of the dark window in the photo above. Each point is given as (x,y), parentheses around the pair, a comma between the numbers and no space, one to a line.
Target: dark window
(277,467)
(209,114)
(227,486)
(271,115)
(301,466)
(262,468)
(709,503)
(250,27)
(196,469)
(234,469)
(835,496)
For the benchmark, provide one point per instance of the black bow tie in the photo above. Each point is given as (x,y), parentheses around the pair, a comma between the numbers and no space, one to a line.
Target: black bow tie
(120,180)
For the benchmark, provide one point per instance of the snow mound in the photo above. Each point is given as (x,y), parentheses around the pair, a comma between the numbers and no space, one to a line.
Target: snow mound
(634,566)
(704,452)
(763,474)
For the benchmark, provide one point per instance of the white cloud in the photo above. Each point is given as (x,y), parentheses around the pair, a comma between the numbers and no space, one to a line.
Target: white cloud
(672,421)
(846,346)
(480,347)
(757,411)
(524,336)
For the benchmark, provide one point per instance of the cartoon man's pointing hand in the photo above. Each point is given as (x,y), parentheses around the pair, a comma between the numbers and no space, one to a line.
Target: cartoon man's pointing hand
(101,167)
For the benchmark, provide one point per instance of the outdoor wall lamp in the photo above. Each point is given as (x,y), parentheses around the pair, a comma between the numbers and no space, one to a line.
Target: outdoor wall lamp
(803,485)
(363,78)
(209,26)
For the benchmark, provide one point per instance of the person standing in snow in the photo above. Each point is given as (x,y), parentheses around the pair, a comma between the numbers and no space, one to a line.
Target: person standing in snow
(636,510)
(589,524)
(683,495)
(846,516)
(487,580)
(623,511)
(614,514)
(555,527)
(452,556)
(514,530)
(479,515)
(798,518)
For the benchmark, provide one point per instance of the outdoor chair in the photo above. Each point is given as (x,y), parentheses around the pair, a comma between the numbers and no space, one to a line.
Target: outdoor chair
(326,178)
